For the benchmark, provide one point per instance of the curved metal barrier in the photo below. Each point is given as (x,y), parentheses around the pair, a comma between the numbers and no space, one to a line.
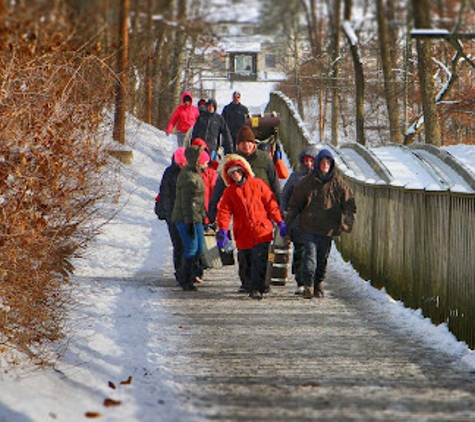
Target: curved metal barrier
(415,243)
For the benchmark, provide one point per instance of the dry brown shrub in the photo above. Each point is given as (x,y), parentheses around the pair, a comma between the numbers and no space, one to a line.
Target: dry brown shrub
(52,172)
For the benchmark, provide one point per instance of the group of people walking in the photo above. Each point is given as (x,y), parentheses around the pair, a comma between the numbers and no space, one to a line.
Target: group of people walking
(239,194)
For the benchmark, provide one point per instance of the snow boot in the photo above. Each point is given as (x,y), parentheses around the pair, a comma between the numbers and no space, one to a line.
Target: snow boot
(188,274)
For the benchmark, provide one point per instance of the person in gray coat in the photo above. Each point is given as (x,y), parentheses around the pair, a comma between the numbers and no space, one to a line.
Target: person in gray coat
(213,129)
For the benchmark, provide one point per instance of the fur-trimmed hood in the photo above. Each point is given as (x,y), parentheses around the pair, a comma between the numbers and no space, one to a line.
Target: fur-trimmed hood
(235,160)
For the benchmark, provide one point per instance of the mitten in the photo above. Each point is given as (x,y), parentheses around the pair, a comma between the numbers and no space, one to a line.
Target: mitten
(283,229)
(222,238)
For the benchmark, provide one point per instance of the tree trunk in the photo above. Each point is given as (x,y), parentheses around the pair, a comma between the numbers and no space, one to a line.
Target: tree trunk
(359,74)
(149,67)
(122,69)
(179,53)
(395,133)
(426,74)
(335,25)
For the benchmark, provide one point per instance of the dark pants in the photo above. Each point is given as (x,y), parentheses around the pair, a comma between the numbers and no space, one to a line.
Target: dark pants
(297,262)
(253,266)
(178,249)
(315,258)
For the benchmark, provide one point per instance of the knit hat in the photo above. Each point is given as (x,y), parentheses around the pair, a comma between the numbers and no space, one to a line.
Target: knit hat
(204,158)
(186,98)
(245,134)
(179,155)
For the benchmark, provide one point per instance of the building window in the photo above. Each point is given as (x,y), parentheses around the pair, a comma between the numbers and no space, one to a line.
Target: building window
(243,64)
(271,61)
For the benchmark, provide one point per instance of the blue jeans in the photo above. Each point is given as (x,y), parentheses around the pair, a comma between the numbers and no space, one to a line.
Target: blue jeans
(315,258)
(194,246)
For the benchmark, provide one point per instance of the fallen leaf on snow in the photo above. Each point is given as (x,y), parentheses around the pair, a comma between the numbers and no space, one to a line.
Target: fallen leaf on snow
(111,402)
(127,381)
(92,415)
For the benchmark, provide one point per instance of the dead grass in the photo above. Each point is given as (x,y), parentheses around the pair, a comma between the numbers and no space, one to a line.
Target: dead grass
(52,173)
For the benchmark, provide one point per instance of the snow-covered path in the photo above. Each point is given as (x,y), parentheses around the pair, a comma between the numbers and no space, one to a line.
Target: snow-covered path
(131,321)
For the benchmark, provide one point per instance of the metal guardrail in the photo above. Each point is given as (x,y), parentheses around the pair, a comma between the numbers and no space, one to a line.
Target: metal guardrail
(415,243)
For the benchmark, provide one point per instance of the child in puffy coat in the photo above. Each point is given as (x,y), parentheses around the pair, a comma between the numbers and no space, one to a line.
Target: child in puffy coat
(253,207)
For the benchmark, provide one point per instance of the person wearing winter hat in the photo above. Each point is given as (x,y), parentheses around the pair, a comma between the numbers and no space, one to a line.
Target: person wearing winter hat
(189,212)
(212,128)
(326,207)
(235,114)
(202,105)
(261,164)
(184,118)
(209,175)
(164,203)
(306,160)
(263,168)
(252,207)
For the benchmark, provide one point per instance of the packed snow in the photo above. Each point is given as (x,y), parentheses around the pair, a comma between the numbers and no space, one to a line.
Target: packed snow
(109,340)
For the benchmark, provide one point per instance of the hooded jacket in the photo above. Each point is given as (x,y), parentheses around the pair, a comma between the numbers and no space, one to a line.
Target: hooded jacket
(184,115)
(325,204)
(296,176)
(212,128)
(209,176)
(189,204)
(251,206)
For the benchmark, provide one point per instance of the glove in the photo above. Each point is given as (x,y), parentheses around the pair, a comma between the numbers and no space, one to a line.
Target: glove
(222,238)
(283,229)
(191,229)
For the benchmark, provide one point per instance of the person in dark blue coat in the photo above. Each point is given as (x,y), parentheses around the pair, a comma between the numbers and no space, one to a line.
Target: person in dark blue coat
(164,203)
(306,161)
(235,115)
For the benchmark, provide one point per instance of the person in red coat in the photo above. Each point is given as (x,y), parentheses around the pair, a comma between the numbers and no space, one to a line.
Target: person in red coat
(252,206)
(184,117)
(209,175)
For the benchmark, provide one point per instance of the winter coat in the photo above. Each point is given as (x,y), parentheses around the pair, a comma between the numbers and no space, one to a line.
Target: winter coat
(167,191)
(263,168)
(209,178)
(289,187)
(212,128)
(190,190)
(184,116)
(326,205)
(235,116)
(251,206)
(296,176)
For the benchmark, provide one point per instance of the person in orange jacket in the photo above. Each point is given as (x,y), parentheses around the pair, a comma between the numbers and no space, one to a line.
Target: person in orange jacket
(184,117)
(252,206)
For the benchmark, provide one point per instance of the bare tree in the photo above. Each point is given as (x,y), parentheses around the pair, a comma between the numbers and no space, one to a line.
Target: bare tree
(122,71)
(359,74)
(335,25)
(385,43)
(426,73)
